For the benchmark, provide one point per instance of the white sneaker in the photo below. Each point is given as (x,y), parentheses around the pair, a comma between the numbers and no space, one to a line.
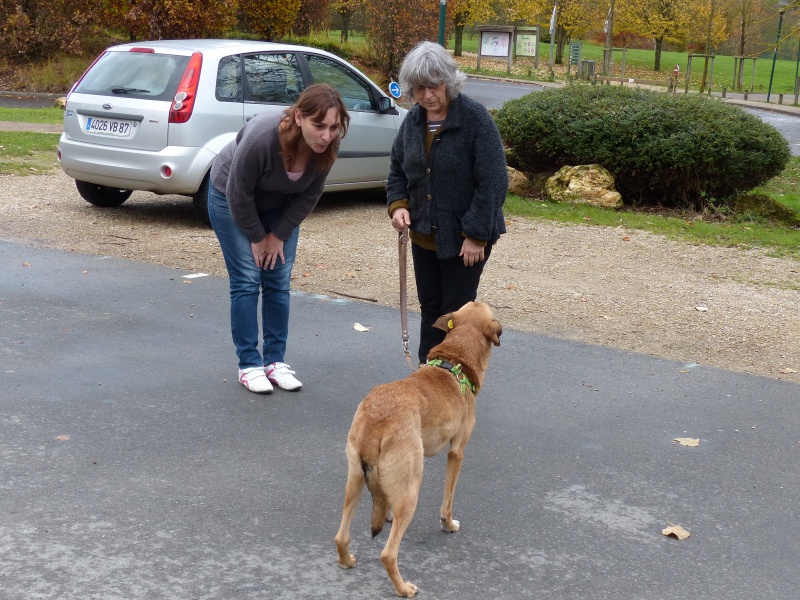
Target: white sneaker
(282,375)
(255,380)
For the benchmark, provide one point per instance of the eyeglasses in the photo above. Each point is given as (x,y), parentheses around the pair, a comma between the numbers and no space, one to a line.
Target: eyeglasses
(419,90)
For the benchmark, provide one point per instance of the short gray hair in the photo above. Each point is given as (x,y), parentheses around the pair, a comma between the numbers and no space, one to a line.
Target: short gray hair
(427,65)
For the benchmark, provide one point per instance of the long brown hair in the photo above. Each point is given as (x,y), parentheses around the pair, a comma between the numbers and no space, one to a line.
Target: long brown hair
(315,102)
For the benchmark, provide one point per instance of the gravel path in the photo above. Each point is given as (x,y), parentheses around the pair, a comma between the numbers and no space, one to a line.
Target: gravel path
(733,309)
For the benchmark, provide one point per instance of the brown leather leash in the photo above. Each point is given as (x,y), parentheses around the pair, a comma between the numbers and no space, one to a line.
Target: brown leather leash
(403,252)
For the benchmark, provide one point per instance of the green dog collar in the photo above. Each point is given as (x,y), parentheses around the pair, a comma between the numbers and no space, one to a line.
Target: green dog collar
(463,380)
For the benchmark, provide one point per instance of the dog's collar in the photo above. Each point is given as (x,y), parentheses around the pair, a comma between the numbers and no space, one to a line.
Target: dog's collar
(463,381)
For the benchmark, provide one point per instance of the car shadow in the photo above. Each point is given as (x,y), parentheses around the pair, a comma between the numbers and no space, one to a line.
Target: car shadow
(333,201)
(144,208)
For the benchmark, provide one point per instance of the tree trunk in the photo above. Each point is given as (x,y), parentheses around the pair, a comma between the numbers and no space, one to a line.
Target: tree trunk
(659,46)
(459,31)
(345,26)
(561,41)
(742,38)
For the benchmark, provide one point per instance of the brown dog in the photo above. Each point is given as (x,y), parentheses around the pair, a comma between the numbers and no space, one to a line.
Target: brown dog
(399,423)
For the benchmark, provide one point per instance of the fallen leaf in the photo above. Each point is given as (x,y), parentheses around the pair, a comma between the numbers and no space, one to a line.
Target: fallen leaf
(691,442)
(587,218)
(627,238)
(701,308)
(186,281)
(306,274)
(26,264)
(85,272)
(61,438)
(360,327)
(787,371)
(676,531)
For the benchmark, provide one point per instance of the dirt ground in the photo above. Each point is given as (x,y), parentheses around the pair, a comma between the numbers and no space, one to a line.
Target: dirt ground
(724,307)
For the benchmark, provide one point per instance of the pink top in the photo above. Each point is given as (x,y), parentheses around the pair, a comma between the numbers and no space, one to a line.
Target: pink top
(295,176)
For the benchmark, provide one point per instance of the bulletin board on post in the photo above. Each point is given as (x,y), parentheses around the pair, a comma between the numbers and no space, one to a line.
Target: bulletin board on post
(495,43)
(526,44)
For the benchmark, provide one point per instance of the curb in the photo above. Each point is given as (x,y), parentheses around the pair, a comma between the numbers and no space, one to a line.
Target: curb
(32,95)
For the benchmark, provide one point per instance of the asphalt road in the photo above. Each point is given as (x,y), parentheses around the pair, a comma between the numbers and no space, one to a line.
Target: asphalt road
(788,125)
(135,467)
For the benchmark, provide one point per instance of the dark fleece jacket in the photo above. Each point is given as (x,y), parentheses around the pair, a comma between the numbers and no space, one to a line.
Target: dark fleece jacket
(460,188)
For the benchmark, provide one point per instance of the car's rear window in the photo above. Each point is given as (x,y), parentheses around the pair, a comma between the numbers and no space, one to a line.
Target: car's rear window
(135,74)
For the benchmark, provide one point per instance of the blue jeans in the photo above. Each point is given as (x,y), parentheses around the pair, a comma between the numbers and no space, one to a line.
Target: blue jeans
(247,280)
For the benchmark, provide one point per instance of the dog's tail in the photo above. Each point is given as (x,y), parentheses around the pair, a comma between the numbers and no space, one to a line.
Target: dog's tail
(380,503)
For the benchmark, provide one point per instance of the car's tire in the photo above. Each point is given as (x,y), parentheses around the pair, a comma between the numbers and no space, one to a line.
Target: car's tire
(200,201)
(101,195)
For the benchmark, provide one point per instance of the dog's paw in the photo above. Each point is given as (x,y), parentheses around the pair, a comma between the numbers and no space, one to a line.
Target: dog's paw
(450,527)
(349,562)
(409,590)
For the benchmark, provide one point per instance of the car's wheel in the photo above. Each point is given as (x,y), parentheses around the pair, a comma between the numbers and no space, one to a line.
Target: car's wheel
(200,200)
(101,195)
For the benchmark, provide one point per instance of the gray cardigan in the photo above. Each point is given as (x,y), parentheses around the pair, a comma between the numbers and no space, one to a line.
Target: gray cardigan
(460,189)
(251,174)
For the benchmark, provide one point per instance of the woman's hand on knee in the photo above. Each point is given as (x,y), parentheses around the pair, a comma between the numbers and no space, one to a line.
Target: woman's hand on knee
(267,252)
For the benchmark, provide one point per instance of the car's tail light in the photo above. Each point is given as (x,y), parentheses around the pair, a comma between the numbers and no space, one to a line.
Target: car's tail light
(183,103)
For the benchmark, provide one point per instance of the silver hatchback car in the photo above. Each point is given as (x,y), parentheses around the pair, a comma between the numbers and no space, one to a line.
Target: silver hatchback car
(154,115)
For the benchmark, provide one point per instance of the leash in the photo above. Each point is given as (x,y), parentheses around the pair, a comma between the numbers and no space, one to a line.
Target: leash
(403,253)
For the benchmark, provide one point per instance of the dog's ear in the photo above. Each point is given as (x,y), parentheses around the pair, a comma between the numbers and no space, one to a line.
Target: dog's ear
(445,322)
(495,333)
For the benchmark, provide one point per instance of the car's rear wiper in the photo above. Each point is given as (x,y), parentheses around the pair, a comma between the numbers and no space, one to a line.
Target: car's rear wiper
(129,90)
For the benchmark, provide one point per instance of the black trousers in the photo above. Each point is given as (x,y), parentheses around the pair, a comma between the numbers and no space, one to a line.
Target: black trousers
(443,286)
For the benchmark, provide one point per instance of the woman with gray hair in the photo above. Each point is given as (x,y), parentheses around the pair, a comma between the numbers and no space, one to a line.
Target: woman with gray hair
(447,183)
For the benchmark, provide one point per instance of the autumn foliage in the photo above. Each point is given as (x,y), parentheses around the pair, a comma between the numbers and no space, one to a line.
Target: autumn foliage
(175,19)
(394,26)
(43,28)
(37,29)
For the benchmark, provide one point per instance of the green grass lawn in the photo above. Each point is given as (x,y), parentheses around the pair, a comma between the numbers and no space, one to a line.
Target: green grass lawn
(26,153)
(49,116)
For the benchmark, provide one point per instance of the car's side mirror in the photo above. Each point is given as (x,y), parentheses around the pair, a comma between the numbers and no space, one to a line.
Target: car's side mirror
(385,104)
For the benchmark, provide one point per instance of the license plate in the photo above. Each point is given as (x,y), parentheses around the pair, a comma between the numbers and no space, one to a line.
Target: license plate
(115,127)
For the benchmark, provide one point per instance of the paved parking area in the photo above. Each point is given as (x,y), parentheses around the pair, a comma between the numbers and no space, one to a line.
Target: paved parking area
(135,467)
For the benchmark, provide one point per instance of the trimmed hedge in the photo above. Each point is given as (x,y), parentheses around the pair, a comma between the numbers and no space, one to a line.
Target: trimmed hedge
(664,149)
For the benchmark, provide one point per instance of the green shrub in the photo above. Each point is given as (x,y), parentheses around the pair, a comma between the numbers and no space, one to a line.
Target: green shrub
(331,46)
(664,149)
